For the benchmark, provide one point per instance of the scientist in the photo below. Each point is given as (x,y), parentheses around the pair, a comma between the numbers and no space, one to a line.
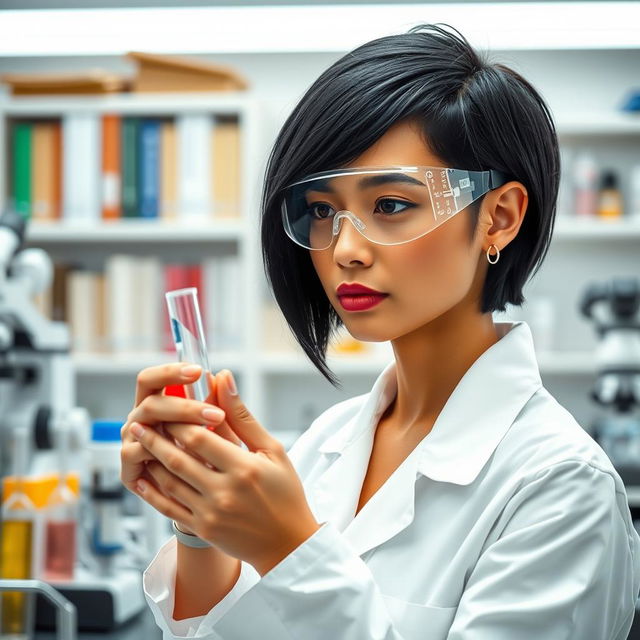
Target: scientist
(411,192)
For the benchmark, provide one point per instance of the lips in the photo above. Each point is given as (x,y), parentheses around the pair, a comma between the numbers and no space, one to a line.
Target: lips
(358,297)
(356,289)
(360,302)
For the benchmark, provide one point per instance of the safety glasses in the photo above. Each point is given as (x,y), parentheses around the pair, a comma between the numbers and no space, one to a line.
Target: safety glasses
(387,205)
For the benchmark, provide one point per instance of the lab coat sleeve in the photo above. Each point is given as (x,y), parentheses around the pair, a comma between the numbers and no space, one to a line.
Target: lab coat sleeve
(565,566)
(158,583)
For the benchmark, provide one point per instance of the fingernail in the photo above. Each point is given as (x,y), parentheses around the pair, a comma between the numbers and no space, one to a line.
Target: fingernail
(190,370)
(231,384)
(137,429)
(141,485)
(212,414)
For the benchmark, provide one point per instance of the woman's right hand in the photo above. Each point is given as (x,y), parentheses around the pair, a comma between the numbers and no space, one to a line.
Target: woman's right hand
(153,408)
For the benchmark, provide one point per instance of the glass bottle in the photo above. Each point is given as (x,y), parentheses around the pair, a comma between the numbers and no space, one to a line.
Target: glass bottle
(16,544)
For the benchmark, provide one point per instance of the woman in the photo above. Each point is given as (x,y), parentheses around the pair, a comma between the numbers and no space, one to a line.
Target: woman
(458,499)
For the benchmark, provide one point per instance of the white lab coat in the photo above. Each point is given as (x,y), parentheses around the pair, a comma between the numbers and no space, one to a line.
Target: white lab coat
(507,521)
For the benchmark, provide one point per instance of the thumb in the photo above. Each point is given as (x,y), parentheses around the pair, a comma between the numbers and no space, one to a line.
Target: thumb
(239,418)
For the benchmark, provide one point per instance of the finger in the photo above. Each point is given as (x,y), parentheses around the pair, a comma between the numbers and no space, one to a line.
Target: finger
(217,451)
(132,463)
(166,506)
(153,380)
(177,461)
(240,419)
(173,486)
(155,409)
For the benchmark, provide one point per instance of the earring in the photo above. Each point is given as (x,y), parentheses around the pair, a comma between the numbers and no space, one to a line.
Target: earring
(496,256)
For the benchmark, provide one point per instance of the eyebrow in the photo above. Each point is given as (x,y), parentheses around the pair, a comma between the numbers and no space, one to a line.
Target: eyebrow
(370,181)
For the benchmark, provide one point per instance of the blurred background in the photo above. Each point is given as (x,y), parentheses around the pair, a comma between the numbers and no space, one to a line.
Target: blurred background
(133,142)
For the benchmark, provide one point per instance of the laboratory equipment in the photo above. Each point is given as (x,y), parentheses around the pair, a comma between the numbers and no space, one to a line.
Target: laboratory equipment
(61,513)
(16,548)
(614,307)
(37,397)
(107,492)
(188,336)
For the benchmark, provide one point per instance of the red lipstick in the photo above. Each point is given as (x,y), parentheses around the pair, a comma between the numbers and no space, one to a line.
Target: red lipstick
(357,297)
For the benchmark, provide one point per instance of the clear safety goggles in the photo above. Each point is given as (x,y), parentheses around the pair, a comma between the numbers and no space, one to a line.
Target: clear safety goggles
(387,205)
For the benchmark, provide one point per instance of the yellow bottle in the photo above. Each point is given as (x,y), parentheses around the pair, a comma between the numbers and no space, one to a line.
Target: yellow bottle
(609,197)
(16,545)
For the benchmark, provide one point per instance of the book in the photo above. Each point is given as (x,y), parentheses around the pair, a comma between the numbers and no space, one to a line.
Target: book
(84,307)
(149,303)
(226,166)
(45,171)
(168,170)
(21,168)
(149,167)
(81,166)
(121,304)
(194,166)
(111,158)
(129,164)
(173,73)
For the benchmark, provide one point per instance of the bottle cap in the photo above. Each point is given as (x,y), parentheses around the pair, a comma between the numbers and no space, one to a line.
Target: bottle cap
(106,430)
(609,180)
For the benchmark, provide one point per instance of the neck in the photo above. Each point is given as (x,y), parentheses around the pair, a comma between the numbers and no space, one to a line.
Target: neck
(429,364)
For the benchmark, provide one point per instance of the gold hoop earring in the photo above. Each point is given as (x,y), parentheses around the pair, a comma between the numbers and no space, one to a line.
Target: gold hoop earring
(496,256)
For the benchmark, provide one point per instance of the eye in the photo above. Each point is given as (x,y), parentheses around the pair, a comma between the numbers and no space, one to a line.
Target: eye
(319,210)
(384,204)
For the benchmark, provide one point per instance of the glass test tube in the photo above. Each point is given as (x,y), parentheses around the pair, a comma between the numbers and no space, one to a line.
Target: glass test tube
(188,336)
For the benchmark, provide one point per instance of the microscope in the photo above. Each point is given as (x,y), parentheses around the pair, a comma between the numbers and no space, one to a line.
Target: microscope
(614,307)
(38,406)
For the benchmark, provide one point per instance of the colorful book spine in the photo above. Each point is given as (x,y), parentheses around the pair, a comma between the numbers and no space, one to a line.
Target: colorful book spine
(130,126)
(225,178)
(168,170)
(21,161)
(149,167)
(44,171)
(111,159)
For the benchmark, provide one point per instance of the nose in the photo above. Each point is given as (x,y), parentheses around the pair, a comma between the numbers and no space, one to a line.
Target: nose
(349,242)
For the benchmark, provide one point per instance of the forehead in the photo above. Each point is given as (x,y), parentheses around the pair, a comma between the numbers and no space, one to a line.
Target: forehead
(402,144)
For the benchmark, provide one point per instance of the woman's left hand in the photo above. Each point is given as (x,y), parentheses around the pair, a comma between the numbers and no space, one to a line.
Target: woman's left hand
(251,504)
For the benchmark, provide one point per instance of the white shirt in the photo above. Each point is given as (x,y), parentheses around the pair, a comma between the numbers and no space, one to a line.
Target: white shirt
(507,521)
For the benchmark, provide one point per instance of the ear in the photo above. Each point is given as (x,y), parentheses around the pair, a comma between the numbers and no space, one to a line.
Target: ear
(506,208)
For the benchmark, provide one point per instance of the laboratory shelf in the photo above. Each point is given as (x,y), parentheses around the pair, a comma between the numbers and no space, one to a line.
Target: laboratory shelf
(575,228)
(130,363)
(554,362)
(566,228)
(597,123)
(134,231)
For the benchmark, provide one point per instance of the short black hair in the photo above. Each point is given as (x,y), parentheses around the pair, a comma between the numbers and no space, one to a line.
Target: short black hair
(473,114)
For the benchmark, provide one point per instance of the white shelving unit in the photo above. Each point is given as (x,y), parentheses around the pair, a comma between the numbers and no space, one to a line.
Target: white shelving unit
(126,234)
(260,372)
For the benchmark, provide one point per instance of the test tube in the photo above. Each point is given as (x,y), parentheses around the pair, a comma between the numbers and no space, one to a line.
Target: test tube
(188,337)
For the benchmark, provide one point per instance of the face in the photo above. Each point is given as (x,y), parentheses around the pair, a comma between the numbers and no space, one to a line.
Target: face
(426,278)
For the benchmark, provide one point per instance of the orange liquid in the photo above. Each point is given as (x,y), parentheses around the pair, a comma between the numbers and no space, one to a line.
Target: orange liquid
(15,562)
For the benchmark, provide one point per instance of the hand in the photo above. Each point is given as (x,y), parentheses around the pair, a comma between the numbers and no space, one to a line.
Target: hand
(153,408)
(251,505)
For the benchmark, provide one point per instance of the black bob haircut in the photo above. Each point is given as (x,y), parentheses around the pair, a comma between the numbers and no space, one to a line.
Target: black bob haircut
(473,115)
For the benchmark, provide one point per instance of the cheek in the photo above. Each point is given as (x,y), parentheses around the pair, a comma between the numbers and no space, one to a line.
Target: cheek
(440,265)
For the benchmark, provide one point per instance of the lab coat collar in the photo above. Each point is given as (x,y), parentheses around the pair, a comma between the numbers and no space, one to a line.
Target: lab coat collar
(474,419)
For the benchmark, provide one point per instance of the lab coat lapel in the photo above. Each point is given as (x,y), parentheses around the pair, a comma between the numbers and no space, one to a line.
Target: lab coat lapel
(337,491)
